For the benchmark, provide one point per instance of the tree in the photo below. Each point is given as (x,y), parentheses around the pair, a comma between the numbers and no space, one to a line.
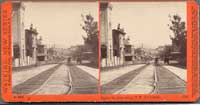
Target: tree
(179,38)
(91,39)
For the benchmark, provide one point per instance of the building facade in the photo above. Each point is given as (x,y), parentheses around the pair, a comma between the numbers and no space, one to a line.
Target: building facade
(41,52)
(27,49)
(118,46)
(112,40)
(31,45)
(128,52)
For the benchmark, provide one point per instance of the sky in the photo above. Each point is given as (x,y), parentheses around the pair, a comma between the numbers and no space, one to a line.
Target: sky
(59,22)
(146,22)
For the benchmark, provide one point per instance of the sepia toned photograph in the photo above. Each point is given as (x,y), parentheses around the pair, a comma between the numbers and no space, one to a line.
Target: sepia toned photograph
(143,47)
(54,48)
(99,51)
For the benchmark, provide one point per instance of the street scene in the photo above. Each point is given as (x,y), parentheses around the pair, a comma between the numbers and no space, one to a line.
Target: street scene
(54,48)
(143,48)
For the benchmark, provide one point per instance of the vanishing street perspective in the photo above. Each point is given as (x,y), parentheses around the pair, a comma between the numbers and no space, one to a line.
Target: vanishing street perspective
(55,48)
(143,48)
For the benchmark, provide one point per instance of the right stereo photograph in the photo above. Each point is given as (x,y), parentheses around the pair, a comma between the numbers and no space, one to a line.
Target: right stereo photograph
(143,47)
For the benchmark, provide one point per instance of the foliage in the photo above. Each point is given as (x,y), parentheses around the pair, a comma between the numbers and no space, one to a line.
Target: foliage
(179,38)
(90,26)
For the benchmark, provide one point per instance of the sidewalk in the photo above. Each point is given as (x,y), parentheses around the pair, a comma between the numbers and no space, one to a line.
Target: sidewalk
(92,71)
(58,83)
(108,76)
(143,83)
(22,76)
(181,73)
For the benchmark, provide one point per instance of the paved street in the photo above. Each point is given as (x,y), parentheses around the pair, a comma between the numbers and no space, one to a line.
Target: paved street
(55,79)
(143,83)
(168,82)
(82,82)
(58,83)
(23,75)
(119,82)
(117,72)
(34,82)
(147,79)
(79,79)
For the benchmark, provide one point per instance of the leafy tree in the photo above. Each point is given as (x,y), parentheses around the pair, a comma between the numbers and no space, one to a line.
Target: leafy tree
(179,38)
(90,26)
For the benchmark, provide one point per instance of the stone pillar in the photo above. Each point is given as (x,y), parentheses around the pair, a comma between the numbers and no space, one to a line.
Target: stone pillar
(18,32)
(106,31)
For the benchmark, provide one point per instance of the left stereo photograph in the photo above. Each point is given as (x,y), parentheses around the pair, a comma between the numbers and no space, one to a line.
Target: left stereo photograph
(55,48)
